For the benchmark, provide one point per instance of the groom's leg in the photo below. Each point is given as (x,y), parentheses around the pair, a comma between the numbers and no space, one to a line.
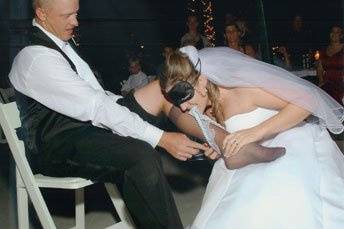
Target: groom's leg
(95,153)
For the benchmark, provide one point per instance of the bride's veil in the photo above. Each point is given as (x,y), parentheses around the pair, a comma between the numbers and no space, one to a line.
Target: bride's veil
(229,68)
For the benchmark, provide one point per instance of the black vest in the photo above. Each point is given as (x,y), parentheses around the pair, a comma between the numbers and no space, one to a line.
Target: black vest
(39,123)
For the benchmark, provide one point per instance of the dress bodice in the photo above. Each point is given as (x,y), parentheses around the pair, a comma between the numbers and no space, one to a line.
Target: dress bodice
(310,176)
(249,119)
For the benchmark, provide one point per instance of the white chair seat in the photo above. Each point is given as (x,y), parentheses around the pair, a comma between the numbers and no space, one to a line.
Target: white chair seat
(61,182)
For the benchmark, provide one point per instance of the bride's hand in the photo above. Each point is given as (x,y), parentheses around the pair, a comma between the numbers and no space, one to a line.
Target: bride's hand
(235,141)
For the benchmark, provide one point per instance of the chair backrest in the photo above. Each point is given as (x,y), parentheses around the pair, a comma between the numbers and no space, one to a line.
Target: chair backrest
(6,95)
(10,121)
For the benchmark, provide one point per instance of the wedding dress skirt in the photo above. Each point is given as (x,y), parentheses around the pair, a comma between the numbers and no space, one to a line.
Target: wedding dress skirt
(304,189)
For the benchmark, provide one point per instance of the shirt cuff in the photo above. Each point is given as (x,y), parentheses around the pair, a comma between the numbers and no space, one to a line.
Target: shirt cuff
(153,135)
(113,96)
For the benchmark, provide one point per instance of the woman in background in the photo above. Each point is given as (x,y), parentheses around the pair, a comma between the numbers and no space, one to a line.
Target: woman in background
(331,66)
(193,36)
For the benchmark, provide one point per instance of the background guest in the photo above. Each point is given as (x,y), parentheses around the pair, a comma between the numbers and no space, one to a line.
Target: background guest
(137,78)
(233,40)
(330,68)
(167,48)
(192,36)
(281,57)
(246,34)
(298,42)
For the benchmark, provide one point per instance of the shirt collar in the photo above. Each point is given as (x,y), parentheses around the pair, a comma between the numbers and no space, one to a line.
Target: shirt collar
(62,44)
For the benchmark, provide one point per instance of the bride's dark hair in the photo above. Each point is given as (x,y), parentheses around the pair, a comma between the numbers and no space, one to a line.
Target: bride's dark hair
(178,67)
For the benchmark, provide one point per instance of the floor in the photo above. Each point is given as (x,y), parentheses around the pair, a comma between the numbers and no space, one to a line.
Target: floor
(187,180)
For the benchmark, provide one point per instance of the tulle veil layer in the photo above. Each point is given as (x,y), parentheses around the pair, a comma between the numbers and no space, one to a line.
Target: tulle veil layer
(229,68)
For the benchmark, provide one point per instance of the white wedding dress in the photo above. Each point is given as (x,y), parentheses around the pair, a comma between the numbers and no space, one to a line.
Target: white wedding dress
(304,189)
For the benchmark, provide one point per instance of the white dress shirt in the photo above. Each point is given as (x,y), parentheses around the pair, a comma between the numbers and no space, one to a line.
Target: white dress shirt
(135,81)
(46,76)
(191,39)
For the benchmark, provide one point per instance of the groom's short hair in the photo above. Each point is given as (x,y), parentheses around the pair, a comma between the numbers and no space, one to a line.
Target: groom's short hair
(40,3)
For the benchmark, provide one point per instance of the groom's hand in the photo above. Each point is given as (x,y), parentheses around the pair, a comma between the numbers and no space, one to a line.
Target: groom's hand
(179,145)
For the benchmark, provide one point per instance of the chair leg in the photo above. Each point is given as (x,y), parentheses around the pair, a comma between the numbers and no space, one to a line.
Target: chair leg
(23,191)
(119,205)
(23,208)
(79,209)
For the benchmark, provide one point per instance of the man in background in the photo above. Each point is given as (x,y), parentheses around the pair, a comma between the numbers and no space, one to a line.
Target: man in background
(137,78)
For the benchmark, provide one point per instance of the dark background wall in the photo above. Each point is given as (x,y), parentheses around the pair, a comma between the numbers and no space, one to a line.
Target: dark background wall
(112,30)
(319,15)
(4,40)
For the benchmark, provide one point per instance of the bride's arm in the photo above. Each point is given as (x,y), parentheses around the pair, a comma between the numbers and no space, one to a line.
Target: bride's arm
(251,153)
(289,115)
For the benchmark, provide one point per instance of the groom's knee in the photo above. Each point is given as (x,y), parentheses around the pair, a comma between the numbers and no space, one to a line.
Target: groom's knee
(147,169)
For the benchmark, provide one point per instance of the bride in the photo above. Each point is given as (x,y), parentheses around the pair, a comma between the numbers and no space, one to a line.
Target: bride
(260,102)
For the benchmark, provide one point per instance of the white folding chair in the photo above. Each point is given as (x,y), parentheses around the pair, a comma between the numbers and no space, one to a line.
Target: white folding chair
(28,184)
(5,95)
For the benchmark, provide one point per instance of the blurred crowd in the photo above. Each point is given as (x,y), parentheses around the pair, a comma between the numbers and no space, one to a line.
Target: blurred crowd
(322,65)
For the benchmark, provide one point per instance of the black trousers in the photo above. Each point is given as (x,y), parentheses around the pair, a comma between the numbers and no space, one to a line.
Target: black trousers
(98,154)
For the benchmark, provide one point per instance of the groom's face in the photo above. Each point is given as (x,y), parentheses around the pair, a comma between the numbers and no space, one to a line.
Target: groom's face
(59,17)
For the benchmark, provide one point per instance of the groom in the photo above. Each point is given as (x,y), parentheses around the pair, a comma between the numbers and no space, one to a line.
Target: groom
(72,127)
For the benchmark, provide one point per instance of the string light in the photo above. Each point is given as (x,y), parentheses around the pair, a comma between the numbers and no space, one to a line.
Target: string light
(206,9)
(208,18)
(192,6)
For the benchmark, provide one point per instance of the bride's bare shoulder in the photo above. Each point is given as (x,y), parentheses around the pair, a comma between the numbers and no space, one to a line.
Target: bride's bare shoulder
(261,98)
(242,92)
(150,98)
(236,101)
(150,90)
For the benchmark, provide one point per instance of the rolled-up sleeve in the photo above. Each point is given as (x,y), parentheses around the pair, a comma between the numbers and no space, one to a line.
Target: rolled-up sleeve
(48,78)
